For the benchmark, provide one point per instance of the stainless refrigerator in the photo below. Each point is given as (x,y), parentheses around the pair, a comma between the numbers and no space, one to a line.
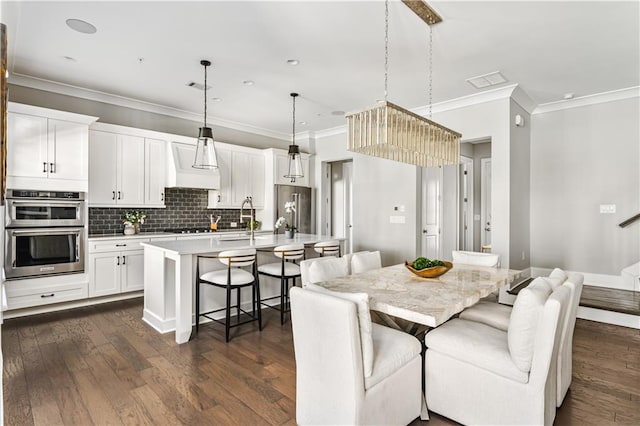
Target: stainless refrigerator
(301,195)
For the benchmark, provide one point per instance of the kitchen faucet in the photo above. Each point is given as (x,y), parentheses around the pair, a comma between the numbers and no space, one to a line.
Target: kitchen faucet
(250,215)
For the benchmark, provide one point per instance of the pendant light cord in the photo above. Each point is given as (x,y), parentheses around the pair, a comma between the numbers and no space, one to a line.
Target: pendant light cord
(386,49)
(293,134)
(205,96)
(430,68)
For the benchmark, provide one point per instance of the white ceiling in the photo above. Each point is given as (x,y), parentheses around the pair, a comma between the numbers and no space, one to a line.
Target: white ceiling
(548,48)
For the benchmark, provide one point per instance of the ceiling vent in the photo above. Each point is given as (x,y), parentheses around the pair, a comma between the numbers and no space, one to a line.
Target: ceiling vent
(198,86)
(486,80)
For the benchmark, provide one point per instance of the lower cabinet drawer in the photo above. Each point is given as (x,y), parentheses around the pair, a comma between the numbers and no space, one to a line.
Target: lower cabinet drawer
(46,295)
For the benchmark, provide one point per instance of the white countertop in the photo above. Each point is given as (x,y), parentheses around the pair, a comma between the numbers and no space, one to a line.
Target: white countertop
(217,244)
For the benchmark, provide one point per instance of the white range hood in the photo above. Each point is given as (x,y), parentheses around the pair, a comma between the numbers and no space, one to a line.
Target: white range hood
(181,174)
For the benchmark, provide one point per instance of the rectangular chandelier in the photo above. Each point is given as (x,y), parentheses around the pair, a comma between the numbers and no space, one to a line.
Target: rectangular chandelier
(394,133)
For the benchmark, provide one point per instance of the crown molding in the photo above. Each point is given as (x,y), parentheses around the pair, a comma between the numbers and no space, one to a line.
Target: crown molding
(122,101)
(522,98)
(598,98)
(469,100)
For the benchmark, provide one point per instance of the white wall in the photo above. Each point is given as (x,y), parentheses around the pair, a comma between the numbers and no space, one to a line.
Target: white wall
(489,120)
(519,219)
(581,158)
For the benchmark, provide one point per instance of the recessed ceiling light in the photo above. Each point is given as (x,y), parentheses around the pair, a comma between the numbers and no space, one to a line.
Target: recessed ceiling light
(568,96)
(216,99)
(248,82)
(70,58)
(293,61)
(486,80)
(302,123)
(338,113)
(81,26)
(319,114)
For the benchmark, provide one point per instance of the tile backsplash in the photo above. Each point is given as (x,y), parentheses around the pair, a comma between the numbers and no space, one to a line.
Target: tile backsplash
(185,207)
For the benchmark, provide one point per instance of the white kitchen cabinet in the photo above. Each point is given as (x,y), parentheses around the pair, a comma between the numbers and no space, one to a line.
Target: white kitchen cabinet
(117,176)
(45,152)
(224,194)
(242,174)
(155,153)
(115,266)
(282,168)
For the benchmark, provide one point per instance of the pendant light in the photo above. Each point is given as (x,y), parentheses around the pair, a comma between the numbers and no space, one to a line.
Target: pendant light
(205,151)
(295,162)
(389,131)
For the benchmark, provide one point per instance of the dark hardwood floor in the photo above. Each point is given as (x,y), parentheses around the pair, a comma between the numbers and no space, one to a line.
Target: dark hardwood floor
(611,299)
(102,365)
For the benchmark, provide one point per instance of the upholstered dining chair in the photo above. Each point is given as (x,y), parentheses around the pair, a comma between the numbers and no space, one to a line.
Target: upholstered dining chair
(322,269)
(285,269)
(497,316)
(233,277)
(491,260)
(349,370)
(478,374)
(362,262)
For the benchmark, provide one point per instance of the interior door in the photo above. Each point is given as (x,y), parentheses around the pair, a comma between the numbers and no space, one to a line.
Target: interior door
(485,201)
(431,212)
(466,204)
(347,176)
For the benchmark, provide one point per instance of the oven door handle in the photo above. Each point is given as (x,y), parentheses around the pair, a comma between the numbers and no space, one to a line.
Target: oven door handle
(46,203)
(45,231)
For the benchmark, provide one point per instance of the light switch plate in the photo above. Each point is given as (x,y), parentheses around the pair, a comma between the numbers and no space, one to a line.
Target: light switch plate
(607,208)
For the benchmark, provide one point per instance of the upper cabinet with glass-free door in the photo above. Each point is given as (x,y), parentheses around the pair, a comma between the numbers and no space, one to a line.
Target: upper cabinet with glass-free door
(47,149)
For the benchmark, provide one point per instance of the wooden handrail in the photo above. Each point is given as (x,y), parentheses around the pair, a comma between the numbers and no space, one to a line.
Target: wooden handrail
(629,221)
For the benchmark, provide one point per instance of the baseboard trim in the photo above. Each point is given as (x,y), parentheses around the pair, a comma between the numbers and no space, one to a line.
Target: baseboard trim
(16,313)
(609,317)
(595,280)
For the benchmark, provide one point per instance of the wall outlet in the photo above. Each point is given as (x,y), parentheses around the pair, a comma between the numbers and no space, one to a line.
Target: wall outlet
(396,219)
(234,224)
(607,208)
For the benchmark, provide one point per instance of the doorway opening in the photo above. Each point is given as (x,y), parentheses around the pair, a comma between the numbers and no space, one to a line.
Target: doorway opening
(338,202)
(476,215)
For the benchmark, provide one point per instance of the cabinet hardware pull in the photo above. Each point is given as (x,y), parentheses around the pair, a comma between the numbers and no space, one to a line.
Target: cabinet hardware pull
(52,167)
(47,295)
(124,260)
(118,195)
(118,264)
(218,197)
(44,167)
(162,196)
(113,197)
(121,245)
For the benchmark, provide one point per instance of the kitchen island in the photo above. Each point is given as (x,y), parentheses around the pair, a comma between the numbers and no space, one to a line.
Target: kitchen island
(169,276)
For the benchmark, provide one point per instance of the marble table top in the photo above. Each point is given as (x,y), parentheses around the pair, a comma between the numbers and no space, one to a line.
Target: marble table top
(396,291)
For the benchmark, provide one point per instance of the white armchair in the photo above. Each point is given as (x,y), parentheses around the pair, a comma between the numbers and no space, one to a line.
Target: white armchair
(331,384)
(478,374)
(498,316)
(365,261)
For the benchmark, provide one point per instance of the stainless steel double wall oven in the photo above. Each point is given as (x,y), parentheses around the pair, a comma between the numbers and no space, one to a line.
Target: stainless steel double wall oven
(44,233)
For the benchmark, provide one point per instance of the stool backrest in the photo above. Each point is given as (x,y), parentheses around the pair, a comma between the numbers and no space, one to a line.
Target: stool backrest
(238,258)
(328,248)
(289,251)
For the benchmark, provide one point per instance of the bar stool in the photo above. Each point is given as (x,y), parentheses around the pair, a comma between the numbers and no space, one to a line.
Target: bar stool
(285,269)
(231,278)
(328,248)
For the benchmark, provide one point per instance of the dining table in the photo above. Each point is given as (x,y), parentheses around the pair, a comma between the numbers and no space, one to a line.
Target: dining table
(400,299)
(399,293)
